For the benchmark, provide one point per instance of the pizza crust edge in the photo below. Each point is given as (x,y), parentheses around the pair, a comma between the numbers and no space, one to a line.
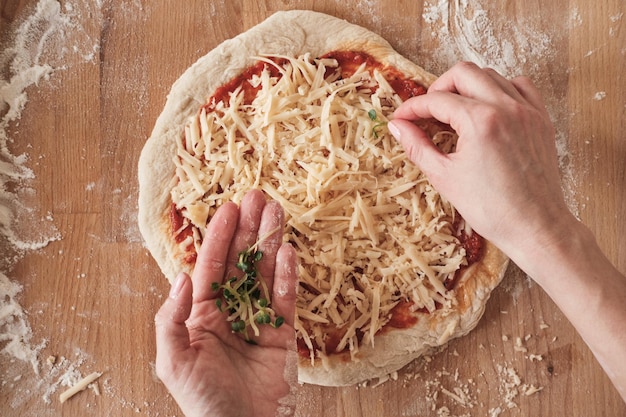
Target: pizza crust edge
(395,348)
(294,33)
(287,33)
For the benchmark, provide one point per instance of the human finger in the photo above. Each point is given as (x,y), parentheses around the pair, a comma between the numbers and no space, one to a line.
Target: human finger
(172,335)
(285,282)
(270,239)
(247,231)
(448,108)
(418,146)
(507,86)
(528,90)
(212,256)
(469,80)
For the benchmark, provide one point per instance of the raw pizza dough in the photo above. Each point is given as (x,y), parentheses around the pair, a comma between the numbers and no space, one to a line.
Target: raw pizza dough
(294,33)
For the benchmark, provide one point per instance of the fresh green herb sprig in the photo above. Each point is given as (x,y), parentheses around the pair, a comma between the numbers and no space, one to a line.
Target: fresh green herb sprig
(246,299)
(379,123)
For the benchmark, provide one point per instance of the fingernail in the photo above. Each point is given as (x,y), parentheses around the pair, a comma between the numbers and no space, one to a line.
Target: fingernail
(178,285)
(393,129)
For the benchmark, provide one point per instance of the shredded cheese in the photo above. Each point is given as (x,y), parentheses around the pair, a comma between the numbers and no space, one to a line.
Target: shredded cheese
(369,229)
(79,386)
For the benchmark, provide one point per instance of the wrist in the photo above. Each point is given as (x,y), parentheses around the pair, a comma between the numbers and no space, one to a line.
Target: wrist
(557,241)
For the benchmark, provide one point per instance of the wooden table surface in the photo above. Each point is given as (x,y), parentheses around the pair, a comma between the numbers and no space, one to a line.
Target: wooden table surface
(91,296)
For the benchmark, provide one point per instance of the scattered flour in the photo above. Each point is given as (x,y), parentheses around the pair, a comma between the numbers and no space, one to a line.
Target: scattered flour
(600,95)
(575,19)
(21,63)
(615,24)
(15,332)
(63,373)
(24,65)
(451,394)
(464,31)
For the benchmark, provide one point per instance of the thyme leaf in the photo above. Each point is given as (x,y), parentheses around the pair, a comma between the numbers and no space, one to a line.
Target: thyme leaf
(379,123)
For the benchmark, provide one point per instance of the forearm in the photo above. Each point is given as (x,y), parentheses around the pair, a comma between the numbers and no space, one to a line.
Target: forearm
(503,178)
(589,290)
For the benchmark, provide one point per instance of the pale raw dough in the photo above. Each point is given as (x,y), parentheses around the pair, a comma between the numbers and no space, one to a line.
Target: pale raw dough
(294,33)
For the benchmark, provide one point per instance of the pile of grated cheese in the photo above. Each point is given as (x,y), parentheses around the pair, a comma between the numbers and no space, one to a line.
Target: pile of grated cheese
(369,229)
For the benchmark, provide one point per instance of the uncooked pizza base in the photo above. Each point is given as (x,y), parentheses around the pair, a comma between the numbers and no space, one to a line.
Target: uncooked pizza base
(294,33)
(396,348)
(290,33)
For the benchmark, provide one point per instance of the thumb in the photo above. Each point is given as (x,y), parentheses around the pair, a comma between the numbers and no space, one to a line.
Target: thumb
(172,336)
(418,146)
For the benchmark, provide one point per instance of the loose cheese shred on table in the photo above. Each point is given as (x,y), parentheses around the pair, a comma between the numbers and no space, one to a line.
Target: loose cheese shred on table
(369,229)
(79,386)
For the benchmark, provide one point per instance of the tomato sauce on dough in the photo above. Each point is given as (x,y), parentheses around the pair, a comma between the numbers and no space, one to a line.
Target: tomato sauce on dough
(402,315)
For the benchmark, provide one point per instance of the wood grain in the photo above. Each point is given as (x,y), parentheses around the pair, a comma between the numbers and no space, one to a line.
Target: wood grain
(92,295)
